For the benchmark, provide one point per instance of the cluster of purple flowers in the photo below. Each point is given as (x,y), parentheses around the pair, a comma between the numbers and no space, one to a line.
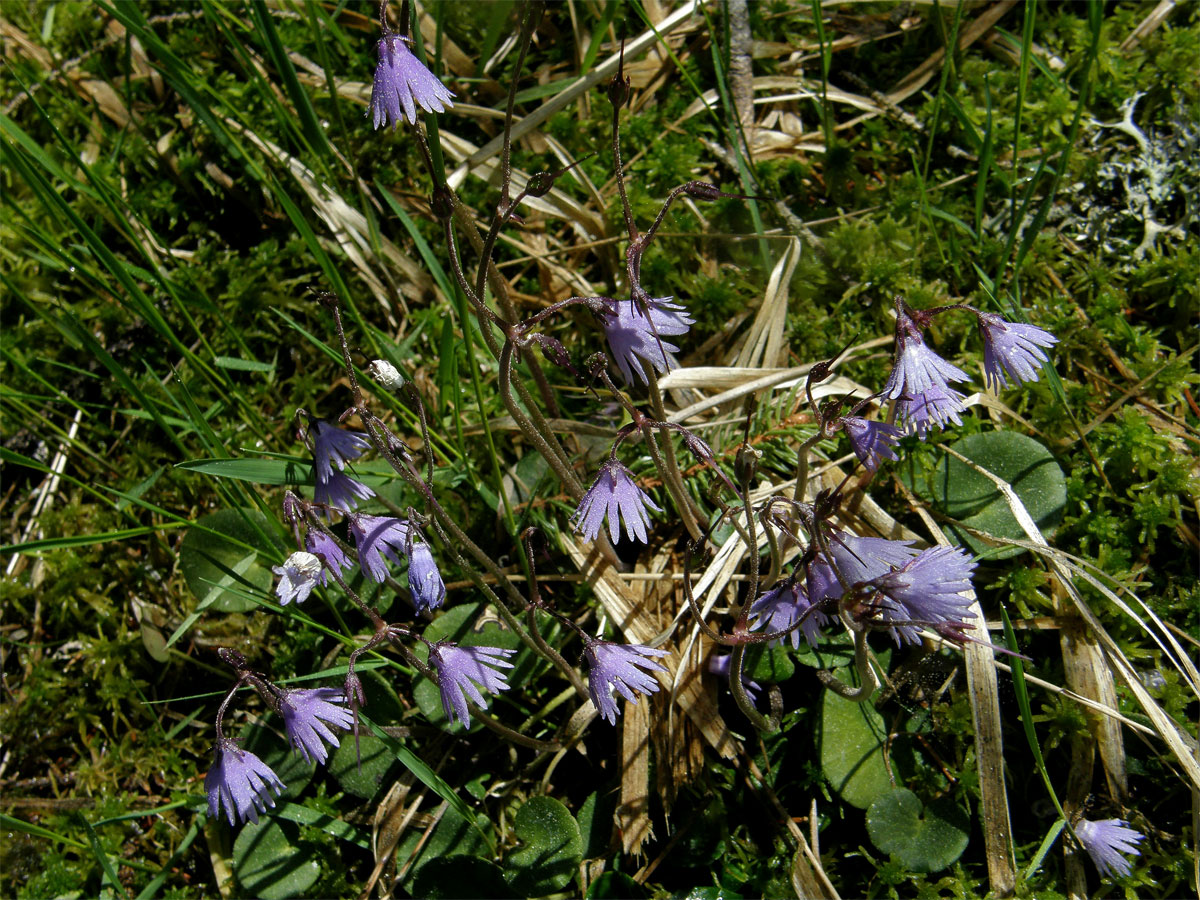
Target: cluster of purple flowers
(869,583)
(240,782)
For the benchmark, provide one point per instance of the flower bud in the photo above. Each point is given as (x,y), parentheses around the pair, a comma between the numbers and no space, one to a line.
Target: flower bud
(540,184)
(384,373)
(618,90)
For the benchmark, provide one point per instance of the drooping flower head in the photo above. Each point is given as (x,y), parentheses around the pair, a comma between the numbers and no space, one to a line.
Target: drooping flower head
(871,441)
(424,579)
(376,537)
(616,667)
(307,715)
(636,337)
(333,446)
(240,782)
(341,492)
(781,607)
(461,669)
(402,83)
(1107,841)
(297,577)
(915,367)
(614,495)
(857,559)
(1012,348)
(920,378)
(936,406)
(926,589)
(323,546)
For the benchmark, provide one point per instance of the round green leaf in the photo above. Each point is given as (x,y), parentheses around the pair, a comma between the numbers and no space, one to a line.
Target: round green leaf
(769,665)
(222,568)
(550,850)
(830,653)
(376,760)
(852,739)
(269,865)
(971,498)
(925,838)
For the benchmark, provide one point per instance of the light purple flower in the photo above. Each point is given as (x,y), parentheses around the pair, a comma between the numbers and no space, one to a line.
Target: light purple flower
(333,446)
(241,782)
(721,666)
(858,559)
(1106,841)
(779,608)
(614,495)
(401,80)
(307,715)
(460,669)
(376,537)
(636,338)
(424,579)
(936,406)
(297,577)
(927,589)
(341,492)
(916,368)
(322,544)
(871,441)
(615,666)
(1013,348)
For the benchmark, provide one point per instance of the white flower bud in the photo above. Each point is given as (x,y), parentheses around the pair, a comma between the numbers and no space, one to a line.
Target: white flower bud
(385,374)
(297,577)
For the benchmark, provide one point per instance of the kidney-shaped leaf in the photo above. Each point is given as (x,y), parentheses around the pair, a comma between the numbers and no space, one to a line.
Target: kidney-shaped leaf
(225,558)
(973,499)
(550,850)
(926,838)
(269,865)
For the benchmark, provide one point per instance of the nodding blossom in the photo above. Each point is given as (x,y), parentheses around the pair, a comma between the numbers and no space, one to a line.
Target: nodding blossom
(460,669)
(307,715)
(781,607)
(926,590)
(424,580)
(240,782)
(871,441)
(917,371)
(636,336)
(333,446)
(1013,348)
(402,83)
(936,406)
(1106,841)
(298,576)
(377,537)
(616,666)
(857,559)
(341,492)
(614,495)
(322,545)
